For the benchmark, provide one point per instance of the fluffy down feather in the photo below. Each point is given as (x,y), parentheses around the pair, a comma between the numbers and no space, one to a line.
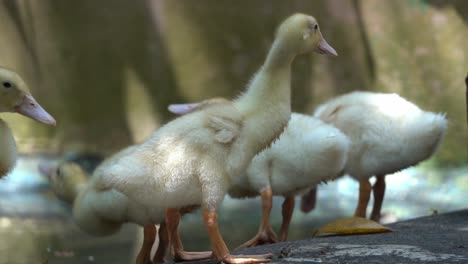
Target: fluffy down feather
(388,133)
(308,152)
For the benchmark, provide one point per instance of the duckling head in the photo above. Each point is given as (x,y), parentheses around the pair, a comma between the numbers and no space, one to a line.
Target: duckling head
(301,33)
(15,97)
(64,178)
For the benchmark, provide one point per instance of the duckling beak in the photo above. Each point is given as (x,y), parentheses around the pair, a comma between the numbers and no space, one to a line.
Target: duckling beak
(325,48)
(182,109)
(45,169)
(30,108)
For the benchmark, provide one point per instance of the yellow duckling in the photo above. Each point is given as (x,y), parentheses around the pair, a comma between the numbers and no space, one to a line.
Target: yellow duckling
(192,160)
(15,98)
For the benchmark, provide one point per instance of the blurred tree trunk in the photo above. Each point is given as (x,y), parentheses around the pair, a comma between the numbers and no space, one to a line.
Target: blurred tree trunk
(85,51)
(229,41)
(342,24)
(107,69)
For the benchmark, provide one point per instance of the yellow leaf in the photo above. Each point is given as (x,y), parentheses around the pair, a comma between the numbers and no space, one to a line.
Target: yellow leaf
(351,226)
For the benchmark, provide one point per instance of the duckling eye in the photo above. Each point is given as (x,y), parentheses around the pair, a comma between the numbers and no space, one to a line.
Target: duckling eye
(315,27)
(7,84)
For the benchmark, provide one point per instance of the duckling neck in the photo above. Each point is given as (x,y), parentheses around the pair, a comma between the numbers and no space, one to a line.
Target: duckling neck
(266,105)
(7,149)
(279,58)
(271,84)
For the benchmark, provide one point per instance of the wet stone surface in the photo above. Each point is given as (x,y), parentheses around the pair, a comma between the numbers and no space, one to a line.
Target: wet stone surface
(433,239)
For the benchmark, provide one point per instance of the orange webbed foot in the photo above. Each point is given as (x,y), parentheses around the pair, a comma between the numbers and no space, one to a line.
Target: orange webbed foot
(191,256)
(266,236)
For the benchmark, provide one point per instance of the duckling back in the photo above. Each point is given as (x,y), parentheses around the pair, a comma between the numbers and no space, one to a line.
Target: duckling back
(308,152)
(388,133)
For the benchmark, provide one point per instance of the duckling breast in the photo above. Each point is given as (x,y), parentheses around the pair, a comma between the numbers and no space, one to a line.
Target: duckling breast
(8,153)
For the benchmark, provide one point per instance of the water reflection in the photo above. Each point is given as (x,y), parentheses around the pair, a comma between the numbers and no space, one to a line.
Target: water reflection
(34,225)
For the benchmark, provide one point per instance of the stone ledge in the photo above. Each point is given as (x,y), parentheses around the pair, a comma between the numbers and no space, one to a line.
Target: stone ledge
(433,239)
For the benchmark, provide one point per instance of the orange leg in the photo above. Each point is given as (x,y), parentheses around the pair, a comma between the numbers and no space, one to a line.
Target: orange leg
(288,209)
(364,195)
(172,219)
(163,243)
(265,234)
(149,235)
(220,250)
(379,193)
(309,200)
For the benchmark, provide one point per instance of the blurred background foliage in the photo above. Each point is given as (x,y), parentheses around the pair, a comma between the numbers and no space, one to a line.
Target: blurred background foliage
(107,69)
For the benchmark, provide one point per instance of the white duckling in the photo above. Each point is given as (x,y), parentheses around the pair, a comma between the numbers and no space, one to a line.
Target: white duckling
(388,134)
(307,153)
(15,97)
(193,159)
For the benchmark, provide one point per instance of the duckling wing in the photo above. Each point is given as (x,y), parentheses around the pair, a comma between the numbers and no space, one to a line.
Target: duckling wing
(226,129)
